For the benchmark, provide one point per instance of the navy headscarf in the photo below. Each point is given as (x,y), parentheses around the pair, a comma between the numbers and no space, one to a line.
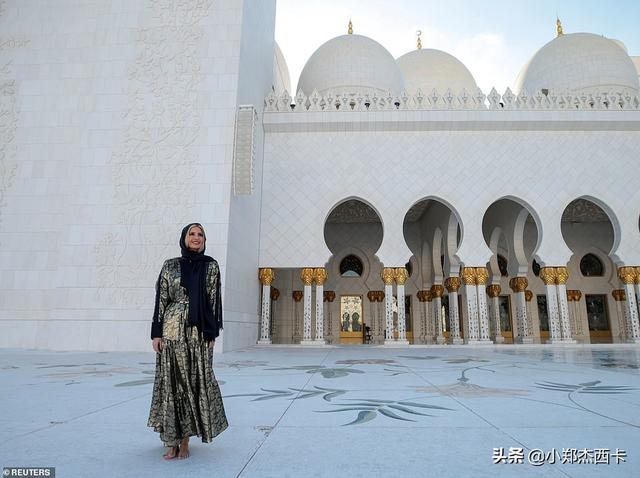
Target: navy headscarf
(193,277)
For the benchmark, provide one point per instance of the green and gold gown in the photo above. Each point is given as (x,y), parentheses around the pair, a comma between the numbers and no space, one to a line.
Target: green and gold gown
(186,398)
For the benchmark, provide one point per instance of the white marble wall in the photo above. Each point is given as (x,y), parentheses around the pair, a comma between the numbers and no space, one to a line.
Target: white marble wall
(242,296)
(393,159)
(121,122)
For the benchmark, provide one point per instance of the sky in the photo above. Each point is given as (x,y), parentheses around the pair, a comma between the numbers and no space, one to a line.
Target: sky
(493,38)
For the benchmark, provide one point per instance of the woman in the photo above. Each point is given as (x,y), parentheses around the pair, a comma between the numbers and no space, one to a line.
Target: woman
(186,321)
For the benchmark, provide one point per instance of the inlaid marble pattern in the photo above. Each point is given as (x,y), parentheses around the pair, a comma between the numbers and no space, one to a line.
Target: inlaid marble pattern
(337,411)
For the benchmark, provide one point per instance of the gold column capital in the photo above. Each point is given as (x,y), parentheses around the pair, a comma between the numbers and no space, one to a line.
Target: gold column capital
(627,274)
(320,275)
(468,275)
(388,275)
(452,283)
(297,295)
(528,295)
(518,284)
(493,290)
(437,290)
(562,275)
(401,275)
(275,293)
(482,275)
(619,295)
(637,280)
(307,275)
(328,296)
(574,295)
(548,275)
(266,275)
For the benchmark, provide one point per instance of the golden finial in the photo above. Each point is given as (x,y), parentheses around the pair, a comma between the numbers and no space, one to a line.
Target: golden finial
(350,29)
(419,32)
(559,31)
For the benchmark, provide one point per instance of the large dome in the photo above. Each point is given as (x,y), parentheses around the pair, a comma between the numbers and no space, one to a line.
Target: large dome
(428,69)
(351,64)
(579,62)
(281,81)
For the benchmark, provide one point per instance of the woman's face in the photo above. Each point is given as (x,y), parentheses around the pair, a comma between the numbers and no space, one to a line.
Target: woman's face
(195,239)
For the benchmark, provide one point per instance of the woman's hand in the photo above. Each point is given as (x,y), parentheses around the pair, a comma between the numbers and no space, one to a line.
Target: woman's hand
(212,343)
(157,345)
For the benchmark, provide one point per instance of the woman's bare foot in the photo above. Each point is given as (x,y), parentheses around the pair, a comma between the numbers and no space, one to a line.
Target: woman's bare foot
(183,449)
(171,453)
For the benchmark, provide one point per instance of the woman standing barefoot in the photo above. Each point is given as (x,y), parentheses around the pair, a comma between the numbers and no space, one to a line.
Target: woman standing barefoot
(186,321)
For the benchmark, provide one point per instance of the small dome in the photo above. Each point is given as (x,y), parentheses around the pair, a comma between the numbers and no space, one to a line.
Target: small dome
(281,78)
(579,62)
(426,69)
(351,64)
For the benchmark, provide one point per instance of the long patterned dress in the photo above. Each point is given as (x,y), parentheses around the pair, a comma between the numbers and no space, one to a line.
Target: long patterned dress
(186,398)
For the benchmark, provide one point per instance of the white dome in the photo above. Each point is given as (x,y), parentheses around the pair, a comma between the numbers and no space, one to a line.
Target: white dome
(579,62)
(281,79)
(351,64)
(427,69)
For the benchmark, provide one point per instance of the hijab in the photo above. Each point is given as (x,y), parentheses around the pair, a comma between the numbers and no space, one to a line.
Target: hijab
(193,277)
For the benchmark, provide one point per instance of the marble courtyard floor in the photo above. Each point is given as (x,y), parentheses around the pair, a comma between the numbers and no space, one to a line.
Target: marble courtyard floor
(338,411)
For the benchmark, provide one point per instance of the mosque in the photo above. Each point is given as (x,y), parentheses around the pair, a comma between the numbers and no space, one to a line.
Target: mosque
(387,201)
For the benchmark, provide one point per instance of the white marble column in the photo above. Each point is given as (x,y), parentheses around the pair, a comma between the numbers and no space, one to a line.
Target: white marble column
(493,291)
(307,276)
(430,331)
(422,299)
(266,277)
(297,296)
(519,285)
(627,276)
(623,317)
(388,277)
(548,276)
(562,275)
(468,276)
(528,297)
(320,276)
(577,295)
(453,284)
(401,276)
(482,277)
(329,296)
(436,293)
(571,299)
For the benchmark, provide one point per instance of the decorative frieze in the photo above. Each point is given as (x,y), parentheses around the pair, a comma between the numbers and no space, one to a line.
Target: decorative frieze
(453,100)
